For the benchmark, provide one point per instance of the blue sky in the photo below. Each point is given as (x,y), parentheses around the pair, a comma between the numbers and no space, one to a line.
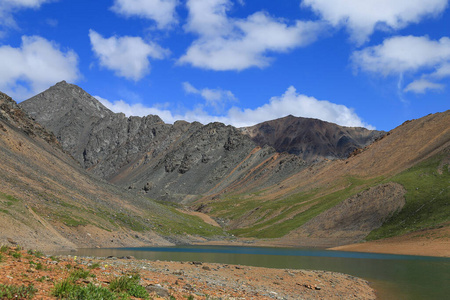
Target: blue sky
(371,63)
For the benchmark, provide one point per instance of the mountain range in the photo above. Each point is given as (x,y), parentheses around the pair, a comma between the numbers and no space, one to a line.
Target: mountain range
(73,169)
(182,161)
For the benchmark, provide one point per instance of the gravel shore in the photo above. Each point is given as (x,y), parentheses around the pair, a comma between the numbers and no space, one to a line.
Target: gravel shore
(181,280)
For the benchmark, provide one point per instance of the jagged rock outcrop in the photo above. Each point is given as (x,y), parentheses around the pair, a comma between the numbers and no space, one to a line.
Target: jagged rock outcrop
(185,160)
(181,161)
(12,113)
(311,139)
(48,201)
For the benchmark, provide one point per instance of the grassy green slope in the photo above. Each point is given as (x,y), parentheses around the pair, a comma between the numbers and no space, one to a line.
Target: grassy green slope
(276,218)
(427,204)
(427,199)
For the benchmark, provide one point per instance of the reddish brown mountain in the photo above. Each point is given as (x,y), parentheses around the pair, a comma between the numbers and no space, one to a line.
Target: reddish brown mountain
(311,139)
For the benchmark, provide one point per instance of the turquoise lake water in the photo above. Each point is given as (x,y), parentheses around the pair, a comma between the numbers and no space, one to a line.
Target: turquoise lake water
(393,276)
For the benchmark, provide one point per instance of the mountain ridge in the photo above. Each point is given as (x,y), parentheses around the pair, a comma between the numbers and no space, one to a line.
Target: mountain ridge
(48,202)
(146,153)
(256,192)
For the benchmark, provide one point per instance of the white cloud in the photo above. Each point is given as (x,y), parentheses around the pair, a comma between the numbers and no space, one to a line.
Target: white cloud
(138,109)
(9,7)
(290,103)
(408,54)
(226,43)
(442,71)
(33,67)
(293,103)
(161,11)
(420,86)
(363,17)
(403,54)
(127,56)
(216,98)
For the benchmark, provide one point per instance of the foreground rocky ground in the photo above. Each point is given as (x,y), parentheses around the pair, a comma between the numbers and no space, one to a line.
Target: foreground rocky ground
(44,277)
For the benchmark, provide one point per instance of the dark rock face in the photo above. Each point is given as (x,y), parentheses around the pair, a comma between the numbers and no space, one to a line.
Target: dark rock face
(12,113)
(185,160)
(172,162)
(311,139)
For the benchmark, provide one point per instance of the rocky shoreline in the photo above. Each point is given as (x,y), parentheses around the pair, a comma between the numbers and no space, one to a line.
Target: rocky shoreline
(179,280)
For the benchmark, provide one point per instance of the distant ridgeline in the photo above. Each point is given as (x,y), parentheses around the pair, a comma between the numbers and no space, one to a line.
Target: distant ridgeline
(181,161)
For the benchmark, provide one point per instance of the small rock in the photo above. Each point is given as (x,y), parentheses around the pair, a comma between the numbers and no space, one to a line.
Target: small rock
(12,241)
(158,290)
(206,268)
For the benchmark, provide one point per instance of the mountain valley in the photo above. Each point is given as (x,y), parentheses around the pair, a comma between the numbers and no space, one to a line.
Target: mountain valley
(290,182)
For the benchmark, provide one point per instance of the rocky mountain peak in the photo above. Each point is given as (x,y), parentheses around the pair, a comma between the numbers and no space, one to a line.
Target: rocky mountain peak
(190,158)
(311,139)
(64,98)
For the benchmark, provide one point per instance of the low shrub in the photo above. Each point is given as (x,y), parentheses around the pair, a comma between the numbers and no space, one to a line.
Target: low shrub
(129,284)
(79,274)
(17,292)
(16,254)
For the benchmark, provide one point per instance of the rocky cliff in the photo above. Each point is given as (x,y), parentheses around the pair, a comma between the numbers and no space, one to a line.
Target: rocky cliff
(184,160)
(48,202)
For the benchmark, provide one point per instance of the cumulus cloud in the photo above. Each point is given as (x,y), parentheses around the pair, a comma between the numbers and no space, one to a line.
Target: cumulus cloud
(362,18)
(293,103)
(34,66)
(420,86)
(127,56)
(290,103)
(216,98)
(226,43)
(9,7)
(161,11)
(402,54)
(138,109)
(408,54)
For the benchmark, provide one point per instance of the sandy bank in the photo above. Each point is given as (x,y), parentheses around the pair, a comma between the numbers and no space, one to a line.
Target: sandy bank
(430,242)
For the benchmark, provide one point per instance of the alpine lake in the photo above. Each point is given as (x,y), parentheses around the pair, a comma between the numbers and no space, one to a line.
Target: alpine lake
(392,276)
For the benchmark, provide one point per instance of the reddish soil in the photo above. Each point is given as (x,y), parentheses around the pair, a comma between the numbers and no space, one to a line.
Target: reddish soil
(182,280)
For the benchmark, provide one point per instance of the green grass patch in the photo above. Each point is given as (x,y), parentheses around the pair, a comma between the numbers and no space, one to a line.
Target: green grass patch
(130,285)
(134,223)
(35,253)
(15,254)
(9,198)
(71,221)
(427,200)
(4,249)
(17,292)
(79,274)
(94,266)
(178,223)
(8,201)
(120,288)
(276,218)
(39,266)
(68,290)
